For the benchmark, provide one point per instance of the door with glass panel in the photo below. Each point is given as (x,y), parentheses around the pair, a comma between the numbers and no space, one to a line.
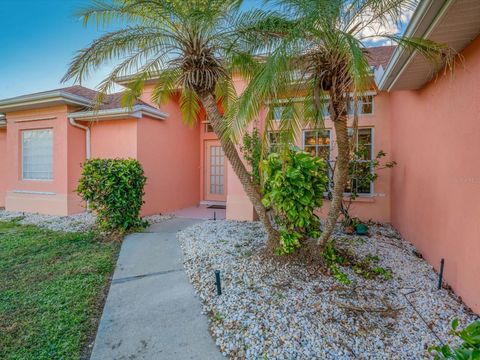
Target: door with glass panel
(215,170)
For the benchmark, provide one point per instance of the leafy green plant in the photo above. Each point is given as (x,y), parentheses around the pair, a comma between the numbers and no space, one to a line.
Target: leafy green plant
(362,172)
(114,190)
(366,267)
(252,153)
(333,260)
(469,349)
(293,187)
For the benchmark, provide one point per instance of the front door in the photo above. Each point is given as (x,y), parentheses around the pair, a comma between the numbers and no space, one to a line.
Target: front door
(215,170)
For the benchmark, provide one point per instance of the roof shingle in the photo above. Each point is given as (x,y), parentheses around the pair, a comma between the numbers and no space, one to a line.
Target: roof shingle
(111,101)
(379,55)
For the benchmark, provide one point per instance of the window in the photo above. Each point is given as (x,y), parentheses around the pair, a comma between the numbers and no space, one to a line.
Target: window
(37,154)
(317,143)
(208,128)
(365,105)
(274,141)
(364,166)
(278,112)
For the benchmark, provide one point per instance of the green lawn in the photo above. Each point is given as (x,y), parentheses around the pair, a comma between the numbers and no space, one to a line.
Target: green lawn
(51,285)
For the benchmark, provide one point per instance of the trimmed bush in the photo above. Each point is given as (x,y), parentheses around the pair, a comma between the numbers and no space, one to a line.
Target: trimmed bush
(293,187)
(114,190)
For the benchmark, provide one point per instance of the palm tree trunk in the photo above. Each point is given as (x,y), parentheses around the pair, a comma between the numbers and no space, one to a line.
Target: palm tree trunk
(215,118)
(340,176)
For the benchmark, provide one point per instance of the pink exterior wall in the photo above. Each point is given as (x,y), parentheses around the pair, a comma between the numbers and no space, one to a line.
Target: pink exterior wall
(114,139)
(436,185)
(239,206)
(51,196)
(376,206)
(170,153)
(372,207)
(76,152)
(3,166)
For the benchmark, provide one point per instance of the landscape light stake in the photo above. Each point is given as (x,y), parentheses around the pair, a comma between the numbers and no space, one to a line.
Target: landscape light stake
(440,277)
(218,282)
(214,215)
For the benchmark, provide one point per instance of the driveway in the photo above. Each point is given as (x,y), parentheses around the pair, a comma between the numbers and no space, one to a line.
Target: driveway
(152,311)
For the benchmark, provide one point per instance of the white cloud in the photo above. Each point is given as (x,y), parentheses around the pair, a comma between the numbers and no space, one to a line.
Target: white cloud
(371,30)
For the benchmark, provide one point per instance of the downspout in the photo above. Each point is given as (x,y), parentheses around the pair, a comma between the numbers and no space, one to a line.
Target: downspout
(87,135)
(87,142)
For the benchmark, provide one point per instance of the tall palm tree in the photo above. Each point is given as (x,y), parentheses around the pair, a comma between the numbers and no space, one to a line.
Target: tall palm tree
(317,52)
(189,48)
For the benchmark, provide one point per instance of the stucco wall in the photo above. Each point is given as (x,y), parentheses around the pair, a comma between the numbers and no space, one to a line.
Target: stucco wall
(169,151)
(3,165)
(436,185)
(375,207)
(50,196)
(114,139)
(76,149)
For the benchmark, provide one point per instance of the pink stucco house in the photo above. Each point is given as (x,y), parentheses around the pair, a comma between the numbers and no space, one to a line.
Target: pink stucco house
(430,125)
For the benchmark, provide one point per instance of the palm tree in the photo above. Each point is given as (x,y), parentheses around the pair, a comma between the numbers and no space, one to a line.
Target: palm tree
(317,52)
(189,48)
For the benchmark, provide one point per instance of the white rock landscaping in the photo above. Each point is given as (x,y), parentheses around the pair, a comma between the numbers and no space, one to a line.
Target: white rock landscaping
(279,310)
(72,223)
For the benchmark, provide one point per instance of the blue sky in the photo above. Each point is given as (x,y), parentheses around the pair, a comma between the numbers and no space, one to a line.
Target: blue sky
(38,39)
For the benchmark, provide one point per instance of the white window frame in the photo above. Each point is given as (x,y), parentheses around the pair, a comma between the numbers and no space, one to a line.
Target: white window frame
(372,186)
(22,133)
(330,145)
(330,150)
(362,113)
(274,113)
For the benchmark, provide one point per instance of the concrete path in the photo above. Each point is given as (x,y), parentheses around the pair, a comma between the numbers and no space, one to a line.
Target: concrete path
(151,310)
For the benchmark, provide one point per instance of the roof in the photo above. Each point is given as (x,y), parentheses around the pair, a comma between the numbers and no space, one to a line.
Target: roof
(73,95)
(379,55)
(111,101)
(135,112)
(455,23)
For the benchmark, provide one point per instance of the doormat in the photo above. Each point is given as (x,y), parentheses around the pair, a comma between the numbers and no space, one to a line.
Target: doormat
(217,207)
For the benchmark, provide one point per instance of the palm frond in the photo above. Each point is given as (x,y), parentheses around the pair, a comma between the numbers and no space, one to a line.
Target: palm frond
(190,106)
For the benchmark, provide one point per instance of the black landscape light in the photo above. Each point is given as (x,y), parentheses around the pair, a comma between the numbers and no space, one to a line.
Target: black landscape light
(440,275)
(218,282)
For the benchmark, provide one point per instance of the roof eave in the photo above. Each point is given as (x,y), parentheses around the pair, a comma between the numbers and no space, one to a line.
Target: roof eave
(426,16)
(120,113)
(49,98)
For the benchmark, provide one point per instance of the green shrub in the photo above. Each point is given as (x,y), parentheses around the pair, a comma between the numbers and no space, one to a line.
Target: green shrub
(336,258)
(293,187)
(469,349)
(114,190)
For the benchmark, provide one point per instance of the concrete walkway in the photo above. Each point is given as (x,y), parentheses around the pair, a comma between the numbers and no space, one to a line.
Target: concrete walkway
(151,310)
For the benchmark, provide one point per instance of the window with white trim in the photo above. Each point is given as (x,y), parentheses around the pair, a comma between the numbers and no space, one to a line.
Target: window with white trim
(277,112)
(37,154)
(364,104)
(207,127)
(317,143)
(274,141)
(365,145)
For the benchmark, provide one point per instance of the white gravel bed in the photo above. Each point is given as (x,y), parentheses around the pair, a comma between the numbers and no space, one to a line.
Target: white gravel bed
(273,310)
(72,223)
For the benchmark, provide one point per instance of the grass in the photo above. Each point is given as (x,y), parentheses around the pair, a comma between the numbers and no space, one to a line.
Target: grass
(51,289)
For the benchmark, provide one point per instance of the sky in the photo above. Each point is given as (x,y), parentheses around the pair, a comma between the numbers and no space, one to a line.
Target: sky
(38,39)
